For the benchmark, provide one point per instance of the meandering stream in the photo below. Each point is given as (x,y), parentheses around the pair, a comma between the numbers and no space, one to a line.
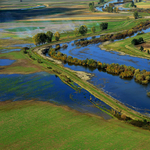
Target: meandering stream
(129,92)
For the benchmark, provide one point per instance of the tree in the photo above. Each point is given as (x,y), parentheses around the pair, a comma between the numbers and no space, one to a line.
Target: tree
(43,38)
(141,48)
(135,14)
(57,36)
(91,6)
(103,25)
(140,40)
(134,41)
(93,29)
(49,35)
(36,39)
(76,31)
(83,30)
(39,38)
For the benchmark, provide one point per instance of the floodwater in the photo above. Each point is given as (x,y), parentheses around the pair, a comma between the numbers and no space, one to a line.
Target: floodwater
(114,1)
(6,62)
(43,86)
(129,92)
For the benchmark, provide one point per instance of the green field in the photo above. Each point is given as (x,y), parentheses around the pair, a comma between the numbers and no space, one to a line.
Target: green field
(126,46)
(41,125)
(21,29)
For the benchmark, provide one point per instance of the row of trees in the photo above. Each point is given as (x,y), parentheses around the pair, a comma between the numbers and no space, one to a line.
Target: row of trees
(83,29)
(120,35)
(111,8)
(41,38)
(123,71)
(137,41)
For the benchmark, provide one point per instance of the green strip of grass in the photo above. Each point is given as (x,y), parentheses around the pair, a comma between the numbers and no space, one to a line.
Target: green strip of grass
(41,125)
(21,29)
(126,46)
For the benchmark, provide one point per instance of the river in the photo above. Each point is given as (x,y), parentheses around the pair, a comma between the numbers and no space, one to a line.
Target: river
(128,92)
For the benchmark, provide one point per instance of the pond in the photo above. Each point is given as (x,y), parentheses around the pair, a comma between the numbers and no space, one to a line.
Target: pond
(43,86)
(6,62)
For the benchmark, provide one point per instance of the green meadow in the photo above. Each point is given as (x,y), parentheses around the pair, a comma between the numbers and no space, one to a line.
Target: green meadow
(55,127)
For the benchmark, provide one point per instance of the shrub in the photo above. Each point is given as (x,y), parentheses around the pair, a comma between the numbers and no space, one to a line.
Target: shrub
(83,30)
(93,29)
(148,94)
(103,25)
(57,36)
(141,48)
(76,31)
(49,35)
(135,14)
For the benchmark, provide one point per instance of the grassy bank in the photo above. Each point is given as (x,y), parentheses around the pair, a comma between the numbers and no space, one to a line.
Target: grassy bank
(41,125)
(126,46)
(60,70)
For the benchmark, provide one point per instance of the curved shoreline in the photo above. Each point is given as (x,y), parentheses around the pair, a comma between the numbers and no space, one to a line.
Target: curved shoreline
(115,104)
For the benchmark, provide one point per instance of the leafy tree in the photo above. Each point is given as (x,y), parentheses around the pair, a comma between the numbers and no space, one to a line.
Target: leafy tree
(93,29)
(134,41)
(39,38)
(103,25)
(43,37)
(140,40)
(83,30)
(132,4)
(91,6)
(36,39)
(141,48)
(57,36)
(76,31)
(49,35)
(135,14)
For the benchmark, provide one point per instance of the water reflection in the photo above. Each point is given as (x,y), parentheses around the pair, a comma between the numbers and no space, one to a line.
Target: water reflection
(46,87)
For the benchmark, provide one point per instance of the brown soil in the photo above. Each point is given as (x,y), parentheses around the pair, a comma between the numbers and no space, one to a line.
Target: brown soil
(145,45)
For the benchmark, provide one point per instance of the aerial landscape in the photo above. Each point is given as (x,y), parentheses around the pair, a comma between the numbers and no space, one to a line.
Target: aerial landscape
(75,74)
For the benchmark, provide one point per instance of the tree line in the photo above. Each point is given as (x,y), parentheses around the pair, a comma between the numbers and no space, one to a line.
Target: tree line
(123,71)
(42,38)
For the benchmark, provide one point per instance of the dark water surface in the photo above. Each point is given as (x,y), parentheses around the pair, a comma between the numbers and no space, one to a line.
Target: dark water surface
(129,92)
(6,62)
(46,87)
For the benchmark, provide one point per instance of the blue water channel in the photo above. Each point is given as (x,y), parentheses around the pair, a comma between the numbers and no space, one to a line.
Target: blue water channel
(6,62)
(128,92)
(43,86)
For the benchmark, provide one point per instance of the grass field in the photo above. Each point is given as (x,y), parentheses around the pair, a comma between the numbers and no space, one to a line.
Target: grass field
(21,29)
(41,125)
(126,46)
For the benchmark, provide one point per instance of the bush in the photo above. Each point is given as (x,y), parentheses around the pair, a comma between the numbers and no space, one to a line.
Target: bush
(134,41)
(135,14)
(57,36)
(103,25)
(49,35)
(83,30)
(93,29)
(76,31)
(148,94)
